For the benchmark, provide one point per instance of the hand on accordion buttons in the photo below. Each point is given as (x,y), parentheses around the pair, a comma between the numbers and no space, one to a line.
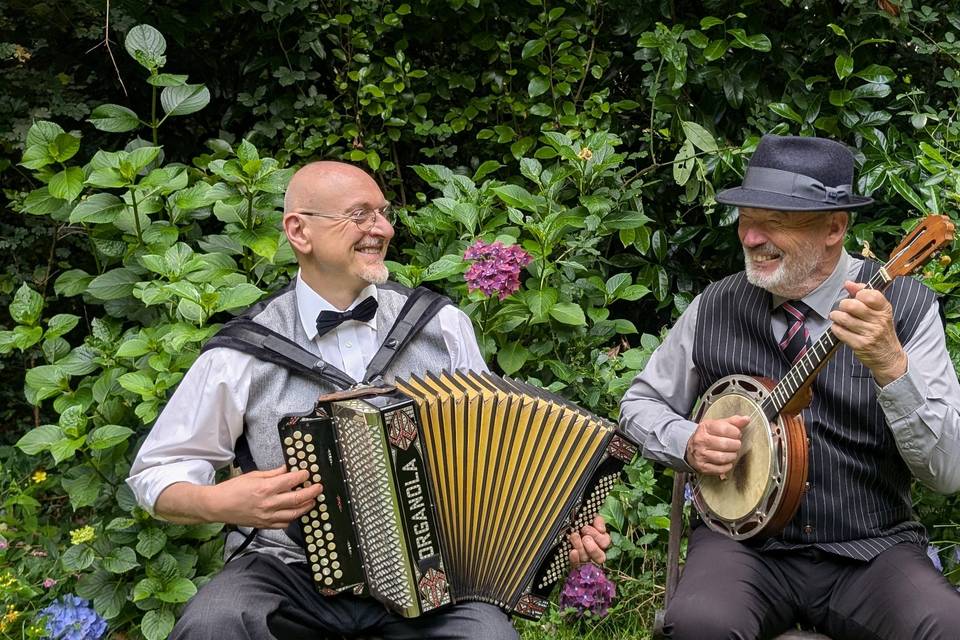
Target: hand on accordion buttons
(589,543)
(266,499)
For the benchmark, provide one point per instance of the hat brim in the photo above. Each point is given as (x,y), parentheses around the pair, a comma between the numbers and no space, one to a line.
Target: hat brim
(741,197)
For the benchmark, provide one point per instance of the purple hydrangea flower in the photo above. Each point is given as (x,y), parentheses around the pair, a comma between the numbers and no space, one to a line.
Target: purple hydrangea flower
(934,556)
(587,590)
(72,618)
(496,269)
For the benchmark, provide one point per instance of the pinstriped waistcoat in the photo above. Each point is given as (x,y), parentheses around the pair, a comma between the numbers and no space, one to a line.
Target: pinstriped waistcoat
(858,501)
(276,391)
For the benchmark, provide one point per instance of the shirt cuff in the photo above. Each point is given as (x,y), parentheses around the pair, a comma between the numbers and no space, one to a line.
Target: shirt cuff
(669,446)
(150,483)
(901,397)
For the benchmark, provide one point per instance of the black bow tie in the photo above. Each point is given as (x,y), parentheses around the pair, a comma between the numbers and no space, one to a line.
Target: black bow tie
(327,320)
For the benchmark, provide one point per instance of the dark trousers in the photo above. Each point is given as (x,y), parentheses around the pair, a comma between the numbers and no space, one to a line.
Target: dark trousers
(730,590)
(258,597)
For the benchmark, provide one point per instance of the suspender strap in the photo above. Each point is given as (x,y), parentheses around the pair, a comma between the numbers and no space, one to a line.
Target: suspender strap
(420,307)
(251,337)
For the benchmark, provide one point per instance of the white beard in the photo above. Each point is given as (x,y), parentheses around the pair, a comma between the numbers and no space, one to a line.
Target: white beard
(794,277)
(375,273)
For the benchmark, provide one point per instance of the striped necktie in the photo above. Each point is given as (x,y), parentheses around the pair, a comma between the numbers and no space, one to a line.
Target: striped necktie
(796,339)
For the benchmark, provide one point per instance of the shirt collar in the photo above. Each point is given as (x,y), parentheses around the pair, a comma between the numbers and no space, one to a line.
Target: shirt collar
(822,299)
(310,304)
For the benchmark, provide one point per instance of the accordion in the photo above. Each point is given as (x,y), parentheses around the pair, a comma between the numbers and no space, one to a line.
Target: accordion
(460,486)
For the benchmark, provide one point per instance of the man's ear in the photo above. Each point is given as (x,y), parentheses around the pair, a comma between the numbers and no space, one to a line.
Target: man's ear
(298,232)
(839,220)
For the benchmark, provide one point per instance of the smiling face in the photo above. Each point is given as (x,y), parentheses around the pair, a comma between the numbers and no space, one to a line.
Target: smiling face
(337,259)
(788,253)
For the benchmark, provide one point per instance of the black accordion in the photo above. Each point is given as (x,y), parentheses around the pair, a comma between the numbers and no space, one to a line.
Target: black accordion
(461,486)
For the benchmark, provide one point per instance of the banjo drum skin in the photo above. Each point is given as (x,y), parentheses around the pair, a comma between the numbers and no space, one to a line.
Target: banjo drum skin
(763,490)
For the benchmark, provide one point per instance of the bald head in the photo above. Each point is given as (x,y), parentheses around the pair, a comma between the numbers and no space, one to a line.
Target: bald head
(325,186)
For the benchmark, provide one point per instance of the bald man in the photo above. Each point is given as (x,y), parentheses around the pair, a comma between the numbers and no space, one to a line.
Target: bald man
(339,225)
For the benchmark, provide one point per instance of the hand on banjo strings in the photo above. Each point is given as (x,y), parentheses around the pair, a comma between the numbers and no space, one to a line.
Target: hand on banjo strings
(714,447)
(864,322)
(265,499)
(590,543)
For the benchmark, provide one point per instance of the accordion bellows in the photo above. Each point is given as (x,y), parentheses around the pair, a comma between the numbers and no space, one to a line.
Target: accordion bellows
(460,486)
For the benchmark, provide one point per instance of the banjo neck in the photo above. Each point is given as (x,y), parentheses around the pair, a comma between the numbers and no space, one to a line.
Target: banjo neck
(817,356)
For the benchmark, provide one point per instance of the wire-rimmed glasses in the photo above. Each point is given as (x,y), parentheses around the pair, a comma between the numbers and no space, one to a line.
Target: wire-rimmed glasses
(363,217)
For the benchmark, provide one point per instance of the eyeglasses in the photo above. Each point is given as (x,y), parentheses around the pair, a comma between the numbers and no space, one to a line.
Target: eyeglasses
(364,218)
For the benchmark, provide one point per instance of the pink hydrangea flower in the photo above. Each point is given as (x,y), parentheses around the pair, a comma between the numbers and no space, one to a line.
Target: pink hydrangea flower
(587,590)
(496,269)
(49,582)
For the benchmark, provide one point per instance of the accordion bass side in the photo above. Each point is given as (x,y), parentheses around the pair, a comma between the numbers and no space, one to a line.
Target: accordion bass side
(459,486)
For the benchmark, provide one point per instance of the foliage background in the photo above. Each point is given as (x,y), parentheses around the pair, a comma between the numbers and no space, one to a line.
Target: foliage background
(594,134)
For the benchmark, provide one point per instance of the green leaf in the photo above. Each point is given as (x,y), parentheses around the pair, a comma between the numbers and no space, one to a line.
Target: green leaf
(238,297)
(47,380)
(140,157)
(83,485)
(120,560)
(39,439)
(36,157)
(114,284)
(77,558)
(67,184)
(633,292)
(517,196)
(65,448)
(568,313)
(757,42)
(146,588)
(72,282)
(877,74)
(684,163)
(445,267)
(100,208)
(616,283)
(532,48)
(26,306)
(157,624)
(907,192)
(167,80)
(64,147)
(39,202)
(843,65)
(700,137)
(185,99)
(541,302)
(42,133)
(784,110)
(178,590)
(512,357)
(25,337)
(538,86)
(108,435)
(151,541)
(138,382)
(146,45)
(871,90)
(61,324)
(109,594)
(114,118)
(715,50)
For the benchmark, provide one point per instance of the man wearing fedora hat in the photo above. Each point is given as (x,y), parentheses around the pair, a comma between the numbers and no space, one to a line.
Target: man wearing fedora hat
(852,562)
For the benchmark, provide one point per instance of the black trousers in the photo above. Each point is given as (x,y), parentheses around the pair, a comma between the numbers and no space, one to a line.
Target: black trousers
(257,597)
(730,590)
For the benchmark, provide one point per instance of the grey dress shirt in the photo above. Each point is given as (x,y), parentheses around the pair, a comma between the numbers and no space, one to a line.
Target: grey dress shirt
(922,407)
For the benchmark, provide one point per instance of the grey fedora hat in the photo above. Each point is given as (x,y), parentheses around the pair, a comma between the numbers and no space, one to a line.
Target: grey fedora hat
(797,173)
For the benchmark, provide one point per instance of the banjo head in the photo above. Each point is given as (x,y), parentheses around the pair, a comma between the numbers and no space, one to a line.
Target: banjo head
(742,504)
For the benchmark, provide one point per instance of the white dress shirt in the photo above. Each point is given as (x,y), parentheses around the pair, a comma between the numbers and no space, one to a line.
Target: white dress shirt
(195,434)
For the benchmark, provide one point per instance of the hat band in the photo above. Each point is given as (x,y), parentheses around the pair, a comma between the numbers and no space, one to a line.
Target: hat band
(788,183)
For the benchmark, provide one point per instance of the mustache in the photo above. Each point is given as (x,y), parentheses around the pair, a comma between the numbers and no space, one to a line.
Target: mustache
(767,248)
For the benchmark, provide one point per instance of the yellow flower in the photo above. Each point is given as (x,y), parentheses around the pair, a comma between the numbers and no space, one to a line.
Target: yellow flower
(83,534)
(39,476)
(9,617)
(585,153)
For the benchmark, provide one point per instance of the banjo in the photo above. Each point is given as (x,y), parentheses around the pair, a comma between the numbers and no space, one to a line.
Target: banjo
(762,492)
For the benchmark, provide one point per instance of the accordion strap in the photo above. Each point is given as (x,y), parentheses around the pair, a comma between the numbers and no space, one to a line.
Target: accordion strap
(419,309)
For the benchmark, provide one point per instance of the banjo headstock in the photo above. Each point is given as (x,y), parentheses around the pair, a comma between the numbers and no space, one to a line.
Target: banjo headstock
(929,236)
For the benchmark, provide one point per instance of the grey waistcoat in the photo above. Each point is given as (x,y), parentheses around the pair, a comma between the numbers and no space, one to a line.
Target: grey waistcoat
(276,392)
(858,501)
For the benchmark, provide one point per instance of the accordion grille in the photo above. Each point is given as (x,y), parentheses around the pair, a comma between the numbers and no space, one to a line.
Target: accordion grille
(506,467)
(366,468)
